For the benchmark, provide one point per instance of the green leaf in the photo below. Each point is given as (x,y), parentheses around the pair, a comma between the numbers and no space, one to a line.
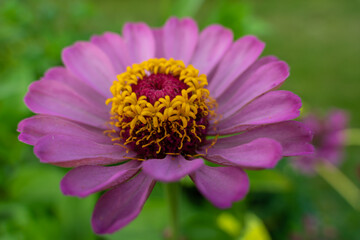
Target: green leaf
(269,180)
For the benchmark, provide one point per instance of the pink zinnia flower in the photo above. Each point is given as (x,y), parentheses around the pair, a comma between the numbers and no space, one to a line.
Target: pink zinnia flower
(329,140)
(159,115)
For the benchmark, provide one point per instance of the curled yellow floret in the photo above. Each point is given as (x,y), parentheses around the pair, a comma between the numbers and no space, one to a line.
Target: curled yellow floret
(136,114)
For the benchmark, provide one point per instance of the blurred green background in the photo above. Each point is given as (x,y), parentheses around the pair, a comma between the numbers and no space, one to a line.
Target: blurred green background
(318,39)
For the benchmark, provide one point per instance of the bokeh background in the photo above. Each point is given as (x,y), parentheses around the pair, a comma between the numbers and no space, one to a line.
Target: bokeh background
(318,39)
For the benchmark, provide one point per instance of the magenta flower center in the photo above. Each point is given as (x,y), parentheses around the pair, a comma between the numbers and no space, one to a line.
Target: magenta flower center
(158,86)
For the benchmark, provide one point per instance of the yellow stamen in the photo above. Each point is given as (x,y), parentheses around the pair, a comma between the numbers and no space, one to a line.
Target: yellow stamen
(138,115)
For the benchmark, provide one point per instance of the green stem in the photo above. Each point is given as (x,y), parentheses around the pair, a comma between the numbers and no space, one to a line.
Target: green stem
(172,194)
(341,183)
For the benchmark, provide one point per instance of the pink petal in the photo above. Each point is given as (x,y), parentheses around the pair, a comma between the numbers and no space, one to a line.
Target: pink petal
(114,47)
(229,92)
(294,137)
(119,206)
(332,154)
(306,164)
(272,107)
(221,185)
(213,43)
(238,58)
(34,128)
(180,38)
(171,168)
(63,75)
(70,151)
(337,120)
(266,78)
(258,154)
(159,42)
(85,180)
(140,42)
(55,98)
(91,65)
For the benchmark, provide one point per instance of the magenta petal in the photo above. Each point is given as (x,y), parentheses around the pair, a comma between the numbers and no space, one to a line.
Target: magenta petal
(159,42)
(171,168)
(119,206)
(338,120)
(55,98)
(82,88)
(294,137)
(221,185)
(331,154)
(306,164)
(237,59)
(272,107)
(266,78)
(224,98)
(114,47)
(91,65)
(213,43)
(140,42)
(258,154)
(70,151)
(180,38)
(85,180)
(34,128)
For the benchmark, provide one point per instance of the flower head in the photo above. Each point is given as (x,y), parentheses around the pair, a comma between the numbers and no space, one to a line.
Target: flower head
(329,140)
(160,107)
(178,96)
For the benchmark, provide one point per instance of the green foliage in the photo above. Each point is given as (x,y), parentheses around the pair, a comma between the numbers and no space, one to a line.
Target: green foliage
(269,181)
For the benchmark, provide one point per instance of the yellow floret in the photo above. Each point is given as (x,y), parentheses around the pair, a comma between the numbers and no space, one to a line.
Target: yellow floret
(157,117)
